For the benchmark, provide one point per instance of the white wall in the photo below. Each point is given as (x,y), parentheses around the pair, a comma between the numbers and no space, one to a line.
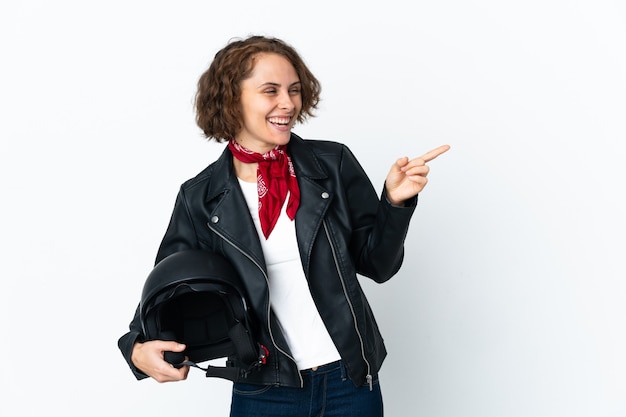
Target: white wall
(511,299)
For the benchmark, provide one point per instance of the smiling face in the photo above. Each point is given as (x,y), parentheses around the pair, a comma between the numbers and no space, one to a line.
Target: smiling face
(271,101)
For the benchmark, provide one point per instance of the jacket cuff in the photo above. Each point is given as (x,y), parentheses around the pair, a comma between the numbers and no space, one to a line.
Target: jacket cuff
(410,203)
(126,343)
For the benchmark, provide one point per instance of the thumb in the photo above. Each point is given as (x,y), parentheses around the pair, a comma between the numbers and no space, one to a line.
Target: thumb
(400,162)
(171,346)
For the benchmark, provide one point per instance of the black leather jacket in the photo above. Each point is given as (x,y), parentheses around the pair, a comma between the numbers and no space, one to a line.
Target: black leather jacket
(343,229)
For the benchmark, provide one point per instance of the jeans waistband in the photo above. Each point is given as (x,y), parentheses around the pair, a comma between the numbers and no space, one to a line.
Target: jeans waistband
(322,369)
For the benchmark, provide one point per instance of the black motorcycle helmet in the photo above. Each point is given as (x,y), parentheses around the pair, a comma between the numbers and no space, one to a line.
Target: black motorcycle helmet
(195,297)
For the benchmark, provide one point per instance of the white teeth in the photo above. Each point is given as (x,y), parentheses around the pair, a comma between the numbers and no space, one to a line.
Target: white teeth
(279,120)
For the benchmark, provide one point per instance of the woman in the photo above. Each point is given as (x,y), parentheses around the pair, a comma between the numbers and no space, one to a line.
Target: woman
(299,219)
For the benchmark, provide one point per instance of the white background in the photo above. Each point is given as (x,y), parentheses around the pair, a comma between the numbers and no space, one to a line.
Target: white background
(511,301)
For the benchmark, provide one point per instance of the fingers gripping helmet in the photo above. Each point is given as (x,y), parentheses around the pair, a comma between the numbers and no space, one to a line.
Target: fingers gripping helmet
(195,297)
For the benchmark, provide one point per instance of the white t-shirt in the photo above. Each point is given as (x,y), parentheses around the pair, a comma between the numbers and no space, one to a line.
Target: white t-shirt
(290,296)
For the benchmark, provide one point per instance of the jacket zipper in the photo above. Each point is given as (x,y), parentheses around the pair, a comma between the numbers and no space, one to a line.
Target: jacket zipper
(269,325)
(368,377)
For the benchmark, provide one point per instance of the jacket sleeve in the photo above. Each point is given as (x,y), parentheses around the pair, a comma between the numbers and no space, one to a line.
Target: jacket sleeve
(379,228)
(181,232)
(179,236)
(127,341)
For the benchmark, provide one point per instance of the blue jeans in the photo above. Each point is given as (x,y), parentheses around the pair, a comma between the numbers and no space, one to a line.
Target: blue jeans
(327,392)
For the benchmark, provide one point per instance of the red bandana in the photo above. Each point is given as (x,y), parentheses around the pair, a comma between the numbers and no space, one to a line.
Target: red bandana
(275,176)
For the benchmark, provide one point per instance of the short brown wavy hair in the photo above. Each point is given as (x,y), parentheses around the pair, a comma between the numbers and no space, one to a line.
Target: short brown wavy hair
(218,99)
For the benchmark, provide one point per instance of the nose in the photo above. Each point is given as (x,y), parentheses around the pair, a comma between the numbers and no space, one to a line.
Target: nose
(286,101)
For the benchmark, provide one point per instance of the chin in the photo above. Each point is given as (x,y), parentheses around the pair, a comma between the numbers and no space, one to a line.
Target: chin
(283,139)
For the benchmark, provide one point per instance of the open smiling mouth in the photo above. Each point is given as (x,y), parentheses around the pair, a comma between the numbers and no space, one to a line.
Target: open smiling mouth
(280,121)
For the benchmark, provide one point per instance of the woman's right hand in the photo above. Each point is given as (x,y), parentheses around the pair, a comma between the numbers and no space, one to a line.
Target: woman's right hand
(148,358)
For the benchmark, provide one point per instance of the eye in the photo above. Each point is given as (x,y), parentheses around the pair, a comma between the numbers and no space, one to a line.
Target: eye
(295,91)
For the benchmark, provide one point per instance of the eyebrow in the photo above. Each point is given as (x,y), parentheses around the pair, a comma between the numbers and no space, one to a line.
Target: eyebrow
(273,84)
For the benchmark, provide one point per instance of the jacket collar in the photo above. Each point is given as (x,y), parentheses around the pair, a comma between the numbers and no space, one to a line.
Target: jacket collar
(304,159)
(305,162)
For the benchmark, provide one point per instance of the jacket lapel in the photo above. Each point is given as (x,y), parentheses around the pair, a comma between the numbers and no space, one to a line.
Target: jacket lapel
(314,198)
(228,212)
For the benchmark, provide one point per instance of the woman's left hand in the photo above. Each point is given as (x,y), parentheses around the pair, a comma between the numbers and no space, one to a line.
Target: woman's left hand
(407,178)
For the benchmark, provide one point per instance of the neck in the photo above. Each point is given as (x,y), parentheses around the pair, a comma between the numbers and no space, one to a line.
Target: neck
(254,146)
(245,172)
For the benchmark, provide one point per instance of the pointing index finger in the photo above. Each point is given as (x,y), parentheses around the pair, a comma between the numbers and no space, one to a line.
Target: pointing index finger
(430,155)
